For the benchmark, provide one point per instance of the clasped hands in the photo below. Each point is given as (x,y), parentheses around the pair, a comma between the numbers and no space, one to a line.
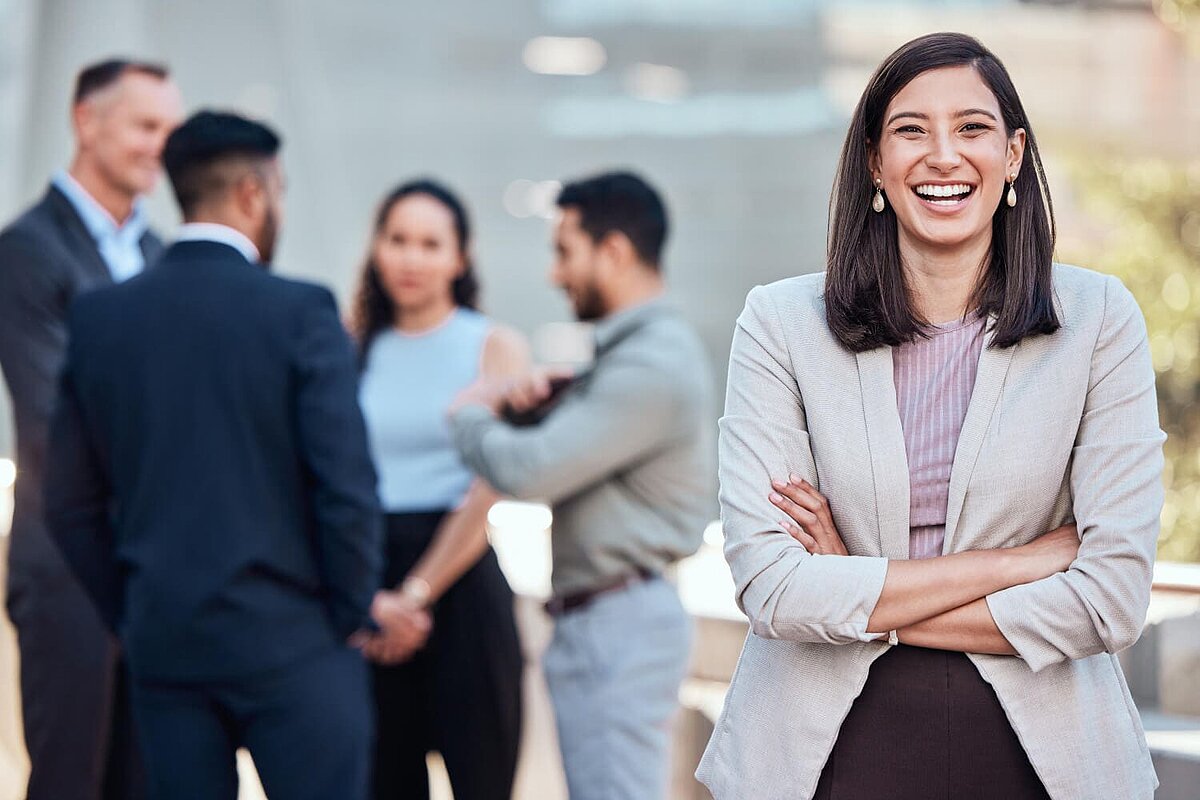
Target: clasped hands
(404,627)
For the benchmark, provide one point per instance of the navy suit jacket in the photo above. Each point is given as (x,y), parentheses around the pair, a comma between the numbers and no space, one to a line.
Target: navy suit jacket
(208,476)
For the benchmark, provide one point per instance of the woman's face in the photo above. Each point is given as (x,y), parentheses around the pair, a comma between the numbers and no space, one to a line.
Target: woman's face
(418,254)
(944,158)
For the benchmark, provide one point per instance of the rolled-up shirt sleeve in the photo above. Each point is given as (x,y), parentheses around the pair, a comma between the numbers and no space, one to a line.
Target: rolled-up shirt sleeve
(1099,604)
(784,591)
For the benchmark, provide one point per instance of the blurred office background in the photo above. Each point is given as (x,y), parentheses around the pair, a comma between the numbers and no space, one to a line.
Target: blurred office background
(736,109)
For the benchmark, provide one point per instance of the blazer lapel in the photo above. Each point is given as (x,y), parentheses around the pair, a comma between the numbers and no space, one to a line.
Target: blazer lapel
(152,249)
(889,461)
(989,381)
(79,240)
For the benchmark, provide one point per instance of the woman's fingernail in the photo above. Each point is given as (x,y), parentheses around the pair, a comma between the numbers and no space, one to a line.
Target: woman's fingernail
(796,479)
(776,498)
(779,485)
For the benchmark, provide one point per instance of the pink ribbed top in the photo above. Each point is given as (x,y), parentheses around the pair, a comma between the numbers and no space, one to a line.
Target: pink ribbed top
(934,378)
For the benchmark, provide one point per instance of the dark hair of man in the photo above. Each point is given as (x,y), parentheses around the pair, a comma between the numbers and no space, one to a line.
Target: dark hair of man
(99,76)
(867,300)
(620,202)
(374,310)
(199,154)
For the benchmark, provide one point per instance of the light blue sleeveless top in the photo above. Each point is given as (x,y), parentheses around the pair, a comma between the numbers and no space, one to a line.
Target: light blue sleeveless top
(407,384)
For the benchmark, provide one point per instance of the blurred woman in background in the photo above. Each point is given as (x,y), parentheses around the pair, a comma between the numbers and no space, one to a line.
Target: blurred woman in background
(421,340)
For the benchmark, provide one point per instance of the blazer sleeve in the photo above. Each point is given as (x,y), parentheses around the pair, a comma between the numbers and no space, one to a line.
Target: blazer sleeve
(784,591)
(333,446)
(32,328)
(78,498)
(1099,604)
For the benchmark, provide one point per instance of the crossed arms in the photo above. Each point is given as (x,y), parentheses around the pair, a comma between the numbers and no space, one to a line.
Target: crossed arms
(1040,601)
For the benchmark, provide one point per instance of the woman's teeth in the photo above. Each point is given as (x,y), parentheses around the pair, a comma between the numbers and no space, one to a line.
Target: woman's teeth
(943,195)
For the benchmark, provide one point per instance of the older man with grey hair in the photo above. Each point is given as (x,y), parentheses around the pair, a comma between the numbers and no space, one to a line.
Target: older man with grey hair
(88,230)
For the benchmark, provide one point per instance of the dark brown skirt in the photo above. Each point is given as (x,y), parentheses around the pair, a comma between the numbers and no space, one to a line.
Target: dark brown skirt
(927,726)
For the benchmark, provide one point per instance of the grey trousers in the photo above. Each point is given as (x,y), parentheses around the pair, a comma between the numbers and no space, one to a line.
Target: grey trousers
(614,669)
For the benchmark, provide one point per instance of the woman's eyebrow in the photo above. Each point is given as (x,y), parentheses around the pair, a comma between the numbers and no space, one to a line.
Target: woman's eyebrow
(966,112)
(970,112)
(901,114)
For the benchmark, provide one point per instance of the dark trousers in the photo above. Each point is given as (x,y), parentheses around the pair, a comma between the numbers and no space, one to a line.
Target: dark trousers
(307,727)
(927,726)
(74,692)
(461,694)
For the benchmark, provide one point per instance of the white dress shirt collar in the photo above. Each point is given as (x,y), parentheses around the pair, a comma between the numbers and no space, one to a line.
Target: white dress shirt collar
(223,234)
(119,243)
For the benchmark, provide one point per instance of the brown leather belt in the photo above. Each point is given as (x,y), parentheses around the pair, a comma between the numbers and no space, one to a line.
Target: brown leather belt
(557,606)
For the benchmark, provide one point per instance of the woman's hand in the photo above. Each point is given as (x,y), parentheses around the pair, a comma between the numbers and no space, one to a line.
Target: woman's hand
(404,625)
(1049,553)
(809,522)
(808,519)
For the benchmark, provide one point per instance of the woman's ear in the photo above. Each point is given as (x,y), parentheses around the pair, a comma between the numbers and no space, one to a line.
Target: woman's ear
(1016,151)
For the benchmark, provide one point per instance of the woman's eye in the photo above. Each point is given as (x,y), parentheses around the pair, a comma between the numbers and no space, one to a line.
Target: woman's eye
(975,127)
(908,129)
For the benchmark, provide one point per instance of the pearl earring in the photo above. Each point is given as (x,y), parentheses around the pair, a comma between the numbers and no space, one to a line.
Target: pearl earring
(878,203)
(1011,199)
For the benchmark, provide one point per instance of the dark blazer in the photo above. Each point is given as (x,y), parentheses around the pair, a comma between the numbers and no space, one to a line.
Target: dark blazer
(47,257)
(208,477)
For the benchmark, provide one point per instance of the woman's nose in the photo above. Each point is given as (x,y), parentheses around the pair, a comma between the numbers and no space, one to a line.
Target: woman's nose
(943,154)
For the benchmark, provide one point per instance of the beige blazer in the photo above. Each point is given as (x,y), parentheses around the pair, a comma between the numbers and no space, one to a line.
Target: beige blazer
(1059,427)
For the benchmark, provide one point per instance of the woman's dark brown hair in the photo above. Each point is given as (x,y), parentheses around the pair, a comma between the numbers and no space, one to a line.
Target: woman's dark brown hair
(867,300)
(373,309)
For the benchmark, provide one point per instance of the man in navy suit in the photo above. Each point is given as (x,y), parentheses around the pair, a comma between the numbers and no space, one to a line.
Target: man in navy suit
(209,482)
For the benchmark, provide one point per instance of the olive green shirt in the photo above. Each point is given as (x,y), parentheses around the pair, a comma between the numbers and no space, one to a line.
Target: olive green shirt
(626,458)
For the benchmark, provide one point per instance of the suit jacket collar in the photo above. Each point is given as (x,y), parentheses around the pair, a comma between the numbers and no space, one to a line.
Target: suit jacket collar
(615,328)
(80,242)
(76,237)
(190,250)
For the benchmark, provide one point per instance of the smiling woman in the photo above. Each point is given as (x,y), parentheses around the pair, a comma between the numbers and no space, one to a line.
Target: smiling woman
(940,470)
(941,136)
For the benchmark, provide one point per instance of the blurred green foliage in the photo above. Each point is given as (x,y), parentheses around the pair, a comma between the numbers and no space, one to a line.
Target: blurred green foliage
(1183,17)
(1141,222)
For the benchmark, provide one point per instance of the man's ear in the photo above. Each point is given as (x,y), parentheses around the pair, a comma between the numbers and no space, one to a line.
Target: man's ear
(84,121)
(250,195)
(617,248)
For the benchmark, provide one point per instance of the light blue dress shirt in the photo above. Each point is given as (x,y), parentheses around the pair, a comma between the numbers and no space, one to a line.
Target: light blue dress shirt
(120,245)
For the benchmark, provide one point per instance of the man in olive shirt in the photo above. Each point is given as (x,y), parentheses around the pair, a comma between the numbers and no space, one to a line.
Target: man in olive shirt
(624,457)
